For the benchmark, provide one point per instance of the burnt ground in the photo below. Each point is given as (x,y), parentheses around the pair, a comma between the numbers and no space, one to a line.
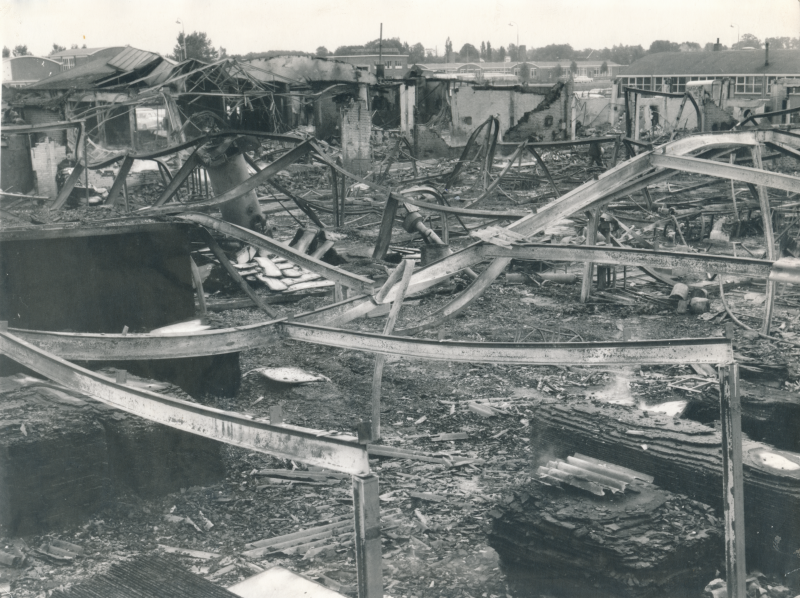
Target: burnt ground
(436,544)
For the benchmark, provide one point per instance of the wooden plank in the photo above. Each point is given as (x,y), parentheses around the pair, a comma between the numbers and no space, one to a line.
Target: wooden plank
(368,536)
(769,239)
(733,480)
(287,442)
(385,231)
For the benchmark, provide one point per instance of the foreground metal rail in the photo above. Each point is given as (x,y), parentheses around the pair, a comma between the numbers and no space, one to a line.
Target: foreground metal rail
(288,442)
(676,351)
(694,262)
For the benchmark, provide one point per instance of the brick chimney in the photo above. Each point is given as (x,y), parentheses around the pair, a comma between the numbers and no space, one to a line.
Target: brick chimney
(766,54)
(717,46)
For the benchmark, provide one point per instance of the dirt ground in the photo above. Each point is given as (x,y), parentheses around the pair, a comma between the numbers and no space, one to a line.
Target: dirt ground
(435,544)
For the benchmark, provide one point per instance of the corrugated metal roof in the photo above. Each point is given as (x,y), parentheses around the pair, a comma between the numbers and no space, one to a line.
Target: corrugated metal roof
(131,58)
(78,52)
(589,474)
(727,62)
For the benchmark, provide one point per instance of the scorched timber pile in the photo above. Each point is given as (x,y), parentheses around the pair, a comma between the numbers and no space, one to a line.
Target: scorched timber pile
(683,457)
(628,538)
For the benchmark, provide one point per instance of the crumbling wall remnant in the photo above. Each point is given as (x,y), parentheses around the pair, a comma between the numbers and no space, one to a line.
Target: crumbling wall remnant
(356,136)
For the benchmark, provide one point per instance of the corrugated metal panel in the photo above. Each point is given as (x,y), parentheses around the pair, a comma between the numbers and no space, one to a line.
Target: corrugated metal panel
(146,577)
(130,59)
(589,474)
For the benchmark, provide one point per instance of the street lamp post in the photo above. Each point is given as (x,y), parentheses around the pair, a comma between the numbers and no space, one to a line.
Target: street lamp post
(183,31)
(513,24)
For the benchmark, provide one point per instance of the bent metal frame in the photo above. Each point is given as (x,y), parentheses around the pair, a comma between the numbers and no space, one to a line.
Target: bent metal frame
(345,454)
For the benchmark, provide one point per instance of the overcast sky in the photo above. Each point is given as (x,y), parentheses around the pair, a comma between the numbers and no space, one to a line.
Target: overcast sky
(243,26)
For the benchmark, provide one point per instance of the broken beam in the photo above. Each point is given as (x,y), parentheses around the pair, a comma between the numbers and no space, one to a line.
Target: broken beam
(677,351)
(727,171)
(694,262)
(288,442)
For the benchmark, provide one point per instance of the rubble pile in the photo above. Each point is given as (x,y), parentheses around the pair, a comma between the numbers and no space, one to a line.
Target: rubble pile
(683,457)
(639,542)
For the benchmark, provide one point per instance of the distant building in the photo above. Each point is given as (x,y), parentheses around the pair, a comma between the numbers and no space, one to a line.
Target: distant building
(69,59)
(512,72)
(20,71)
(394,65)
(752,72)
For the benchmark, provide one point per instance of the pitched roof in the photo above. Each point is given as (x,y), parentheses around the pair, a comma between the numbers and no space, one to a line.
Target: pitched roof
(76,52)
(726,62)
(86,75)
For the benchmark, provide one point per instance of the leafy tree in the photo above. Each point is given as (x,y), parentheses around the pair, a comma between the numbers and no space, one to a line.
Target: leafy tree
(501,54)
(553,52)
(783,43)
(626,54)
(322,51)
(692,46)
(604,68)
(468,53)
(198,46)
(448,49)
(416,54)
(489,53)
(223,52)
(573,67)
(21,50)
(56,49)
(512,52)
(557,72)
(748,40)
(483,50)
(663,45)
(6,52)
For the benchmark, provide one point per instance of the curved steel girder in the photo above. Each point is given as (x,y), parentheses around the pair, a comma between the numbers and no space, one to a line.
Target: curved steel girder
(687,350)
(283,441)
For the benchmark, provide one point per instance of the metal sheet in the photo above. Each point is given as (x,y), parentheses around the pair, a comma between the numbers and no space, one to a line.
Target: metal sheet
(284,441)
(673,351)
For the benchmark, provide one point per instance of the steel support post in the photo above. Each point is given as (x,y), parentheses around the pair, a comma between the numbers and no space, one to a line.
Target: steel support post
(769,239)
(588,267)
(368,536)
(732,479)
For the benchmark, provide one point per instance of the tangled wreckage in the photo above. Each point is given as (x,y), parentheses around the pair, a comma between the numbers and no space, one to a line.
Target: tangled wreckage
(104,300)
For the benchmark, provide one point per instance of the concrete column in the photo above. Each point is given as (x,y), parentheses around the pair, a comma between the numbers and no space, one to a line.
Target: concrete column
(408,99)
(245,209)
(356,138)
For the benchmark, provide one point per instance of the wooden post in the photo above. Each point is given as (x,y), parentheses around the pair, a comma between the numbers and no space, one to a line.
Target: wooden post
(769,239)
(368,536)
(732,479)
(124,169)
(335,203)
(380,359)
(132,125)
(385,232)
(588,267)
(338,296)
(615,155)
(342,195)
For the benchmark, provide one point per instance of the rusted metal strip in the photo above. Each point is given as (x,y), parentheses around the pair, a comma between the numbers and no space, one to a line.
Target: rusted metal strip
(284,441)
(677,351)
(694,262)
(727,171)
(254,181)
(69,185)
(352,281)
(119,182)
(180,177)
